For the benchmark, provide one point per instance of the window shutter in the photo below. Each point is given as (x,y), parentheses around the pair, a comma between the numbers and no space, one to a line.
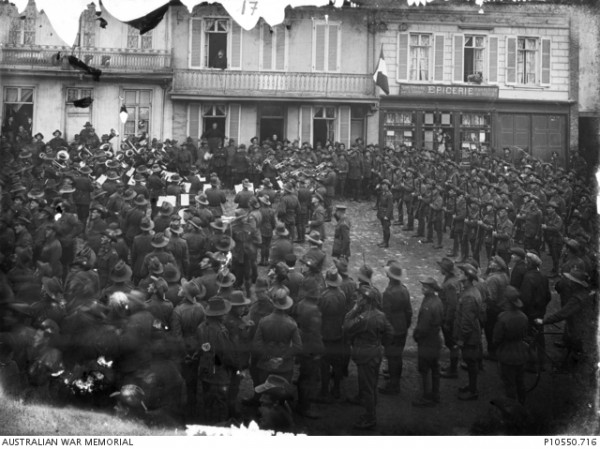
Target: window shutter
(196,43)
(438,69)
(493,60)
(345,125)
(459,48)
(511,60)
(234,122)
(332,61)
(280,59)
(545,62)
(235,61)
(194,120)
(305,124)
(267,49)
(319,46)
(402,74)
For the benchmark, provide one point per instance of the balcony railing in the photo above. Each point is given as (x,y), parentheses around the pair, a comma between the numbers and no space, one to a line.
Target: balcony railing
(272,84)
(106,59)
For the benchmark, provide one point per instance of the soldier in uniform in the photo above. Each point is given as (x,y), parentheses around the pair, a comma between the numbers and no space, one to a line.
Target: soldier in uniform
(277,339)
(304,199)
(467,329)
(215,349)
(216,198)
(448,294)
(333,306)
(458,222)
(510,332)
(429,343)
(341,237)
(502,235)
(368,330)
(309,319)
(436,218)
(288,209)
(398,311)
(385,211)
(317,221)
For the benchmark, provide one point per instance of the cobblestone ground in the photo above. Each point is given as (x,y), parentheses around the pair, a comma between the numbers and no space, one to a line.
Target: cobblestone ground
(396,416)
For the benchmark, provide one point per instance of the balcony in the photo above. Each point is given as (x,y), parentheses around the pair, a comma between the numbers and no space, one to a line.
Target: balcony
(210,82)
(42,59)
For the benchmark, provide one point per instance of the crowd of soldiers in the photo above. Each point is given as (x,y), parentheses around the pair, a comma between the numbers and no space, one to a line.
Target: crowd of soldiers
(124,280)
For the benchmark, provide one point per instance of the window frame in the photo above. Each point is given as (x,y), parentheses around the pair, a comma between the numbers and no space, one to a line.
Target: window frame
(134,109)
(328,23)
(537,72)
(430,56)
(134,32)
(484,55)
(19,96)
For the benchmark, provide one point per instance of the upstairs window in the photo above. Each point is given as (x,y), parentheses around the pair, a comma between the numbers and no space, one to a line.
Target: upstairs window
(274,55)
(528,61)
(22,28)
(326,46)
(420,57)
(527,56)
(474,56)
(138,41)
(215,43)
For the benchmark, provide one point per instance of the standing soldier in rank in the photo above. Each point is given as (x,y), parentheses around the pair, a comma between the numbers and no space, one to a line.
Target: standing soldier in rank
(385,211)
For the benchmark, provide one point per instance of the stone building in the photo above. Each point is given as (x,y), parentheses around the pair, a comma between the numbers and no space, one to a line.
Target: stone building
(520,74)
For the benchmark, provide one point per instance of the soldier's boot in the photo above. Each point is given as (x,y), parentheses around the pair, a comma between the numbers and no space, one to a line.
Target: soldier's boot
(425,400)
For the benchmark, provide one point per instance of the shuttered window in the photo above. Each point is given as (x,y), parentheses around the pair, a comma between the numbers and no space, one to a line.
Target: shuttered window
(280,48)
(273,54)
(344,118)
(233,128)
(545,78)
(326,47)
(438,72)
(458,72)
(402,74)
(493,60)
(306,124)
(195,43)
(235,51)
(194,128)
(511,60)
(267,47)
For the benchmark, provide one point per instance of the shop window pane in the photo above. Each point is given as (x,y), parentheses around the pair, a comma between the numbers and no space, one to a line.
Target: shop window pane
(429,118)
(330,112)
(446,119)
(428,139)
(272,111)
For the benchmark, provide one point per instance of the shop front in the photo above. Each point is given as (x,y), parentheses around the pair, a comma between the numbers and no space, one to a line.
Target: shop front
(459,119)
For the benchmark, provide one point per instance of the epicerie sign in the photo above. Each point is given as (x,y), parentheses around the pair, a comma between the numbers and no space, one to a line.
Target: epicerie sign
(436,90)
